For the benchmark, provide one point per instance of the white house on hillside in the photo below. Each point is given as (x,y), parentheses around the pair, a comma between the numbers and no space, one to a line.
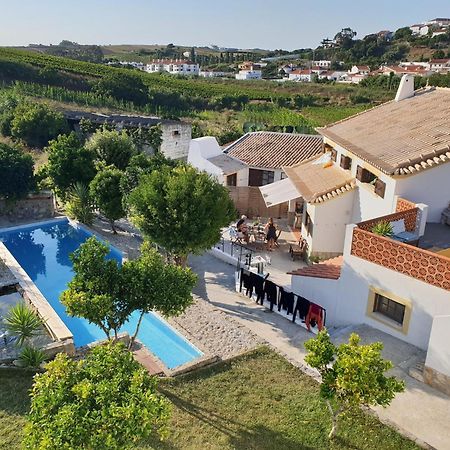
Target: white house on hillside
(249,71)
(173,66)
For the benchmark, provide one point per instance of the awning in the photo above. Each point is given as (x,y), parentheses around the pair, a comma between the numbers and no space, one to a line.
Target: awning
(279,192)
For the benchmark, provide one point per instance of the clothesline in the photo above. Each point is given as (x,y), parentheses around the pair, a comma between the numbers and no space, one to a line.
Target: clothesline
(310,313)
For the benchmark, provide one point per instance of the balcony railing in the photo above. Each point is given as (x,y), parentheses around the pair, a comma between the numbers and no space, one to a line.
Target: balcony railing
(415,262)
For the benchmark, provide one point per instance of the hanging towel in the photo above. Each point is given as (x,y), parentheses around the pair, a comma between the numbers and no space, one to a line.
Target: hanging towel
(258,285)
(314,317)
(301,307)
(270,289)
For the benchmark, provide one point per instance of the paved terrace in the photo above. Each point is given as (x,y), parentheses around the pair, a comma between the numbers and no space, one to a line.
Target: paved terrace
(280,259)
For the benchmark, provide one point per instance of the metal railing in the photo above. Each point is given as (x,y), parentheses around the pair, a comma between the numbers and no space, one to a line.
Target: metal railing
(243,253)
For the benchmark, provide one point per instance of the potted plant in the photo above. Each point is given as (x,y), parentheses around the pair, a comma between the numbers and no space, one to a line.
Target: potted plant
(383,228)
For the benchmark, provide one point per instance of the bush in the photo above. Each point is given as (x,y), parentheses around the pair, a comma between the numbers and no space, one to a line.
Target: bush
(383,228)
(16,178)
(31,357)
(79,204)
(22,322)
(37,124)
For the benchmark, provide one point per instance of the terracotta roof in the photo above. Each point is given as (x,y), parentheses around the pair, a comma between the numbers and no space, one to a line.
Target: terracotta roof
(318,183)
(399,138)
(175,62)
(440,61)
(267,149)
(301,72)
(331,269)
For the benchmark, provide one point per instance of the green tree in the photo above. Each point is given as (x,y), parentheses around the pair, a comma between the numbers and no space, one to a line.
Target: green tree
(23,322)
(112,147)
(105,401)
(96,291)
(69,162)
(16,177)
(36,124)
(352,375)
(124,86)
(153,284)
(106,194)
(403,34)
(181,209)
(143,137)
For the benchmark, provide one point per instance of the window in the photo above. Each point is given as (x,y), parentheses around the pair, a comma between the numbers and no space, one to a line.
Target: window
(283,175)
(389,308)
(364,175)
(346,162)
(232,179)
(175,133)
(258,177)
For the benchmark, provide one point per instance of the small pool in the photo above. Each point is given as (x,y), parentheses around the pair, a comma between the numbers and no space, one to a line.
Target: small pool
(43,251)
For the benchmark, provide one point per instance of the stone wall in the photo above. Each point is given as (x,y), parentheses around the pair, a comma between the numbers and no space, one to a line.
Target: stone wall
(437,380)
(35,206)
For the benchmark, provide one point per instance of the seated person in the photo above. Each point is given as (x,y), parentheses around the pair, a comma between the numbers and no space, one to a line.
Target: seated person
(242,228)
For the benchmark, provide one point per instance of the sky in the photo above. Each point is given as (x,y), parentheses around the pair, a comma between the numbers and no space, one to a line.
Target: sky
(268,24)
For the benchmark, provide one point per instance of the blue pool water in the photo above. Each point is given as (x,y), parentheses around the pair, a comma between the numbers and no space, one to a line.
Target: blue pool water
(43,252)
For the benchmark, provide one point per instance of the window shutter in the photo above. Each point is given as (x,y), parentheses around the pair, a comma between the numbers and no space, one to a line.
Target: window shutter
(380,188)
(359,173)
(346,162)
(333,154)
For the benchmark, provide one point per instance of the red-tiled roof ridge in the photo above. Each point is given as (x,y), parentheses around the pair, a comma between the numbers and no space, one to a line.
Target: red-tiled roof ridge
(330,269)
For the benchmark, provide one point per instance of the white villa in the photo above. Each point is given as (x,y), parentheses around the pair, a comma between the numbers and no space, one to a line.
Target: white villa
(249,71)
(388,164)
(173,66)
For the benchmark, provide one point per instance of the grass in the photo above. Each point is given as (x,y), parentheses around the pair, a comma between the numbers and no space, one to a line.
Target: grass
(261,402)
(320,116)
(255,402)
(14,404)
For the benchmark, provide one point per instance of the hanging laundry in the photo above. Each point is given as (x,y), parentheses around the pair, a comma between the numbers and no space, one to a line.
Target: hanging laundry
(301,307)
(314,316)
(258,285)
(286,301)
(271,291)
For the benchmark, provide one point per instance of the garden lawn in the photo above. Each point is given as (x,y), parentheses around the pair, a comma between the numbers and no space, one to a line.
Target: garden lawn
(261,402)
(257,401)
(14,404)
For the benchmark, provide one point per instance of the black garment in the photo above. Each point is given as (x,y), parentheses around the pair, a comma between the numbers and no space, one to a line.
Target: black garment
(302,307)
(271,233)
(244,279)
(286,301)
(257,283)
(270,289)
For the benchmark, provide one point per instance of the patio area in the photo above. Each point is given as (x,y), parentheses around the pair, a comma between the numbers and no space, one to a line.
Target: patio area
(436,238)
(278,262)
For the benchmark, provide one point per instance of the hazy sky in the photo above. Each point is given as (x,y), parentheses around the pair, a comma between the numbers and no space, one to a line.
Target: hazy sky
(267,24)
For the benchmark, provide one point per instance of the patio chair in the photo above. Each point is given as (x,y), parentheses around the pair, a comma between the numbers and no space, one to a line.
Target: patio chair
(277,244)
(235,236)
(298,250)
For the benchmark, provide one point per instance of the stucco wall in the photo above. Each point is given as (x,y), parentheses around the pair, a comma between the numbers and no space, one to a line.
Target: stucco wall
(431,186)
(176,146)
(329,222)
(200,150)
(438,355)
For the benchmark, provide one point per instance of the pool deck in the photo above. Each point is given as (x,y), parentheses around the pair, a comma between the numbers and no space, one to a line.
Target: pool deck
(143,356)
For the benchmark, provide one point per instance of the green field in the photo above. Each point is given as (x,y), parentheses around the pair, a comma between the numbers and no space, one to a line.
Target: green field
(255,402)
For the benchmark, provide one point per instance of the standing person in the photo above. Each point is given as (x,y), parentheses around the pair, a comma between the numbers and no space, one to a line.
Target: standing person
(271,234)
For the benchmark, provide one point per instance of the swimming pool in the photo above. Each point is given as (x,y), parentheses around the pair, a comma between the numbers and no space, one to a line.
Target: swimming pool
(43,251)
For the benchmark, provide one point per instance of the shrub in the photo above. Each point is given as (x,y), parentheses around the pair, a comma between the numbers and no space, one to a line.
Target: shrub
(383,228)
(31,357)
(23,322)
(79,204)
(16,178)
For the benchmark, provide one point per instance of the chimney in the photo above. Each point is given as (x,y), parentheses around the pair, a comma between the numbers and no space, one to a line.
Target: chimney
(406,88)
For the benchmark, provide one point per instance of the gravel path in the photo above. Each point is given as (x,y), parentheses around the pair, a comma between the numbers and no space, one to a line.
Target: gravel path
(213,331)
